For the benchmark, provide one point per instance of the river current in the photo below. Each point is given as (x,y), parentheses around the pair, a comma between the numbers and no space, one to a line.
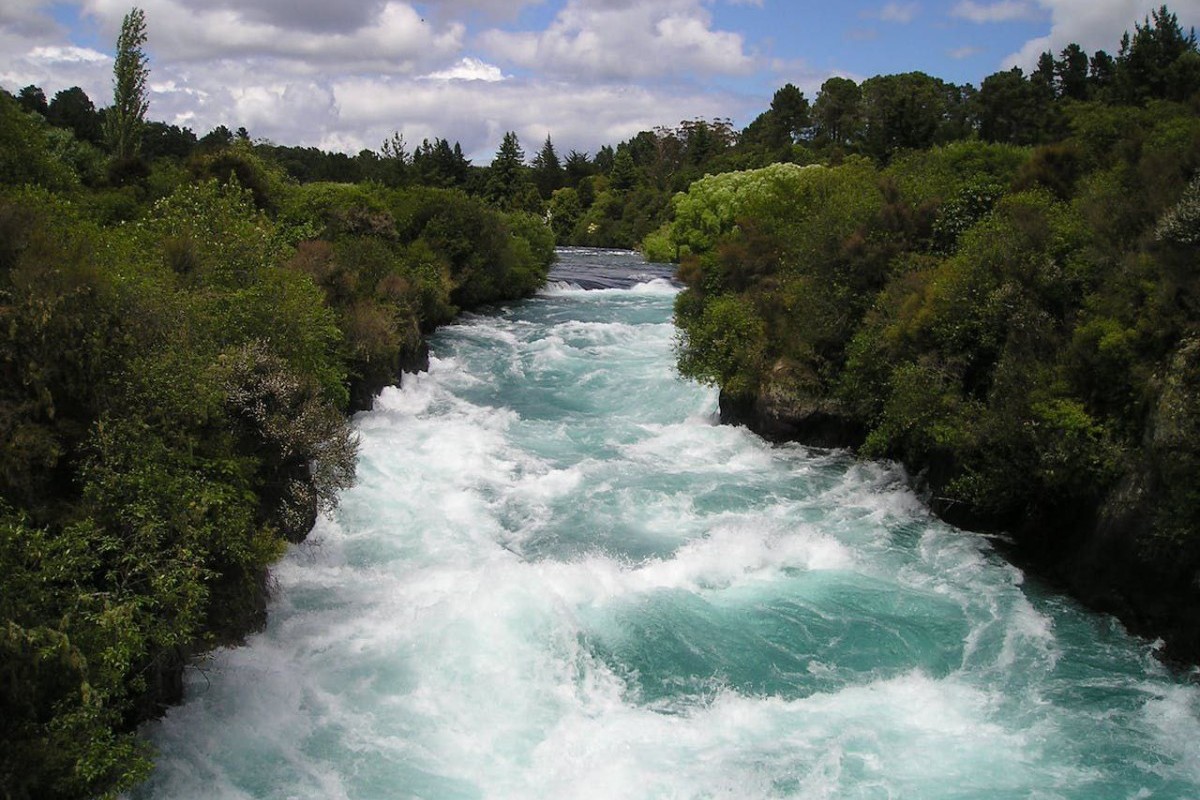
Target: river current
(559,577)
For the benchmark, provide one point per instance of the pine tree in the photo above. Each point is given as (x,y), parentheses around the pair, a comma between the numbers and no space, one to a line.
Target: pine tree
(125,120)
(547,170)
(624,172)
(507,177)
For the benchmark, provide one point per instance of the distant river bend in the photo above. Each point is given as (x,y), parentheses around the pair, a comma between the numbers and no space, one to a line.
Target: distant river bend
(558,577)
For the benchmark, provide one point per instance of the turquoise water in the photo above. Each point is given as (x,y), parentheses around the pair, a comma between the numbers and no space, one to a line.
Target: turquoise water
(558,577)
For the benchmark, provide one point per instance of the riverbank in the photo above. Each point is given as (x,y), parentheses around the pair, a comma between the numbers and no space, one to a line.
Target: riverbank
(1098,554)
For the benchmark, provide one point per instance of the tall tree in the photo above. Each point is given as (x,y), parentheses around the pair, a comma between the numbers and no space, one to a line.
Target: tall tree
(508,178)
(547,170)
(837,112)
(604,159)
(123,123)
(904,111)
(394,159)
(1071,72)
(624,172)
(1146,64)
(790,117)
(1102,75)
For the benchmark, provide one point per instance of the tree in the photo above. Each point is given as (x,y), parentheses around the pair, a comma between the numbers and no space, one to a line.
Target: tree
(1071,72)
(72,108)
(1145,61)
(604,159)
(789,116)
(161,139)
(837,110)
(394,159)
(903,111)
(32,98)
(124,122)
(577,167)
(508,177)
(217,138)
(1011,109)
(547,170)
(1102,75)
(624,172)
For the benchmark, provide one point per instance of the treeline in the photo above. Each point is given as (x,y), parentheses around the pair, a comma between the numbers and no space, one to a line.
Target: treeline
(183,330)
(1014,315)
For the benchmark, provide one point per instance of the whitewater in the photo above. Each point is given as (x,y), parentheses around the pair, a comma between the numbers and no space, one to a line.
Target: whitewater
(558,577)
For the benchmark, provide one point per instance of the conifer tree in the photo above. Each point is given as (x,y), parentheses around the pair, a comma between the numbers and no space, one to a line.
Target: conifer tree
(124,122)
(547,170)
(507,177)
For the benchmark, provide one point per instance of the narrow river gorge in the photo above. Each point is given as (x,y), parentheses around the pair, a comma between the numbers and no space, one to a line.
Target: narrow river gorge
(559,577)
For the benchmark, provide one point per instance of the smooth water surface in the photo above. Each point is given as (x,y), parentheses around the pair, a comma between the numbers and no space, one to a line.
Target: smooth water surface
(558,577)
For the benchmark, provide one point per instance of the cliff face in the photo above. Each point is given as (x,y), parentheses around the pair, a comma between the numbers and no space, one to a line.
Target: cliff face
(1132,554)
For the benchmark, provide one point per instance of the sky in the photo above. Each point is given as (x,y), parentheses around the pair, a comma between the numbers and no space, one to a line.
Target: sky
(344,74)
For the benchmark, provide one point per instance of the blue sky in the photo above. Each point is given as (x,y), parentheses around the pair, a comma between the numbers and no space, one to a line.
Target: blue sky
(344,74)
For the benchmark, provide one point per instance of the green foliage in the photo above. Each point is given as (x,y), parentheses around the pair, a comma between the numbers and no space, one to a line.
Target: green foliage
(937,174)
(241,165)
(1181,225)
(27,154)
(658,247)
(720,342)
(126,119)
(564,211)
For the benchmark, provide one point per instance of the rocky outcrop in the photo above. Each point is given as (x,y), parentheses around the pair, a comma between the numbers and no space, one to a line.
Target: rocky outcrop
(373,378)
(785,409)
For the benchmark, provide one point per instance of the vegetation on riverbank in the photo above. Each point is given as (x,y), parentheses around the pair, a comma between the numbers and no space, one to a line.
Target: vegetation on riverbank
(180,342)
(1018,322)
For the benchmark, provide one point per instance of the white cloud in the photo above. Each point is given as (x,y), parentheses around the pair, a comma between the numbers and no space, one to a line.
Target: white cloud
(68,54)
(325,79)
(1095,25)
(393,37)
(903,13)
(622,40)
(967,51)
(1002,11)
(469,69)
(478,115)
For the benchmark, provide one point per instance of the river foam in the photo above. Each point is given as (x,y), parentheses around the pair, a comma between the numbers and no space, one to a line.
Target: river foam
(558,577)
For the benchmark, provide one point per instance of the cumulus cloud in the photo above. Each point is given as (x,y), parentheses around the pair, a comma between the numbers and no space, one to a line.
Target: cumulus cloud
(478,115)
(623,40)
(469,69)
(387,36)
(1002,11)
(54,67)
(343,76)
(1093,25)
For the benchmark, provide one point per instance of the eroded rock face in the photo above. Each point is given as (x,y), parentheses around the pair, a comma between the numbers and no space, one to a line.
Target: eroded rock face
(817,423)
(785,410)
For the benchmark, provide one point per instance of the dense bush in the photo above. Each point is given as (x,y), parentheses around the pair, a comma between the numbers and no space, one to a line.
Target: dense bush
(178,356)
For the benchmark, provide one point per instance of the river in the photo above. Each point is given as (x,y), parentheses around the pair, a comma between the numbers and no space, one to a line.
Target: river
(558,577)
